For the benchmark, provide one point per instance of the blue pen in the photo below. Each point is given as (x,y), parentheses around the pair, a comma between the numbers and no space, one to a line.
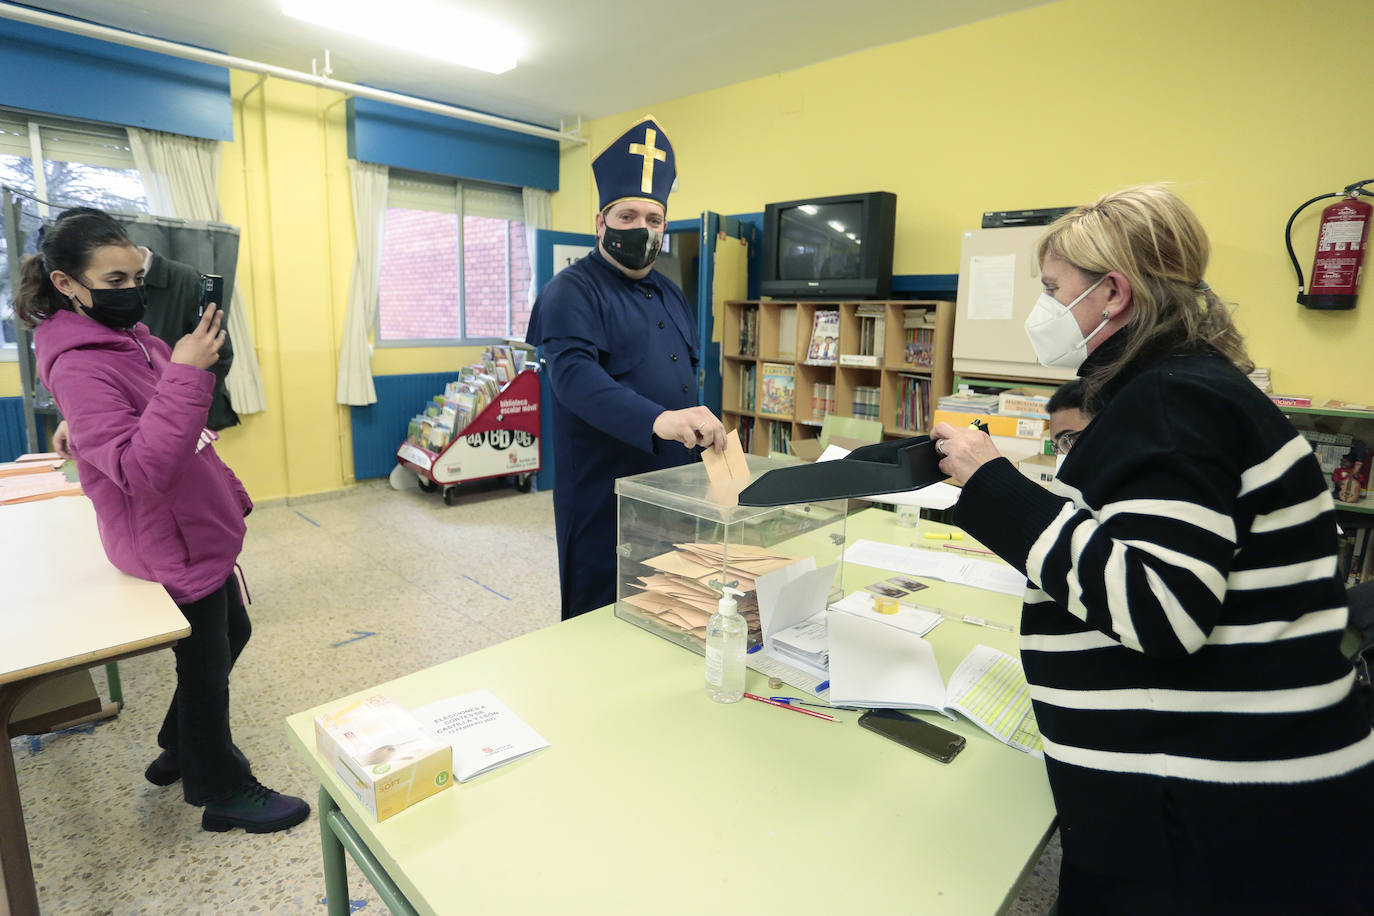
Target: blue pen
(823,685)
(794,701)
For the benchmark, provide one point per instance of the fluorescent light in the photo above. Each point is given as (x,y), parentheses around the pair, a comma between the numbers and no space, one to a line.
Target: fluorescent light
(809,209)
(852,236)
(419,26)
(836,225)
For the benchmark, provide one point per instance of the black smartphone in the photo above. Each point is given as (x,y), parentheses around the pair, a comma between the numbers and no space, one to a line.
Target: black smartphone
(211,290)
(917,734)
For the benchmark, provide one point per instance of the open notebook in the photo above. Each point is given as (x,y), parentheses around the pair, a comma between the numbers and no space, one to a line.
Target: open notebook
(878,665)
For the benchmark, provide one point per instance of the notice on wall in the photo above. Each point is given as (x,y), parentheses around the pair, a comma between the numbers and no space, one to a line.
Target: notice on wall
(563,255)
(992,278)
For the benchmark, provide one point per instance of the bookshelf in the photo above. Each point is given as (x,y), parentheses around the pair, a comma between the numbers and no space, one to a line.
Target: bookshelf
(893,376)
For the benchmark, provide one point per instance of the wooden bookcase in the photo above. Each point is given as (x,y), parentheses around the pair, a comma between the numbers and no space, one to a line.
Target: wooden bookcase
(742,372)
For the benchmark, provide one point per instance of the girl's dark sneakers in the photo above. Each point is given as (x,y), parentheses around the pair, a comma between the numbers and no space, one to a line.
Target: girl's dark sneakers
(165,770)
(255,808)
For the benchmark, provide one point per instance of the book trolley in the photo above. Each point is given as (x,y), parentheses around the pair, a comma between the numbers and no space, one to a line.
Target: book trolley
(501,441)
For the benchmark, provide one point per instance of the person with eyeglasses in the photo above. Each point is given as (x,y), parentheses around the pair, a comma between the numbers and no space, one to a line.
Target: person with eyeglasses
(1067,417)
(1205,742)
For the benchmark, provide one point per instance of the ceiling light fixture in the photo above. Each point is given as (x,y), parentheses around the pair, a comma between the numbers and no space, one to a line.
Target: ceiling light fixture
(419,26)
(836,225)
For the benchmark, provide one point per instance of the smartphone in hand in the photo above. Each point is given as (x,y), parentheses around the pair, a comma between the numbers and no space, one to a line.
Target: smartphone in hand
(211,290)
(917,734)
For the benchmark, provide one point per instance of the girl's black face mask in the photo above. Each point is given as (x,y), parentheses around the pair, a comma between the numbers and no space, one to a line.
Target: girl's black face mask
(120,308)
(633,249)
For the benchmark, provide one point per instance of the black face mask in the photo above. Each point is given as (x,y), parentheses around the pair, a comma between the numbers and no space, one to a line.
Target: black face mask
(116,308)
(633,249)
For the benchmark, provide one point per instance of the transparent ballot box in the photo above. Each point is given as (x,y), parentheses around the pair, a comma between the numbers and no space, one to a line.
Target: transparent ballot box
(681,539)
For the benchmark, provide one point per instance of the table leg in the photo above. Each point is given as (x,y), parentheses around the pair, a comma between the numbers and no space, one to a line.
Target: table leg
(335,867)
(116,686)
(16,868)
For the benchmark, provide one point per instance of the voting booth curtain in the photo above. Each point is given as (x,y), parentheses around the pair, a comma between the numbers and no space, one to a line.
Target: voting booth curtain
(369,182)
(181,178)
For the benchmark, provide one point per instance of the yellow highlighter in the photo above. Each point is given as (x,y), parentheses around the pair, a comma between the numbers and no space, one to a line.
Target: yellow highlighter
(944,535)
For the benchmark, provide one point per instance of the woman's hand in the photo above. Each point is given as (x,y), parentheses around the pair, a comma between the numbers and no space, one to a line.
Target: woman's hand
(200,348)
(963,451)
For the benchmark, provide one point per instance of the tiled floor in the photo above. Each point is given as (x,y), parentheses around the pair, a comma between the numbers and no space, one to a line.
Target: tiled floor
(425,582)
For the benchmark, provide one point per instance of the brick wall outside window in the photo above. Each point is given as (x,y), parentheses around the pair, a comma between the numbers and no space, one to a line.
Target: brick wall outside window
(418,297)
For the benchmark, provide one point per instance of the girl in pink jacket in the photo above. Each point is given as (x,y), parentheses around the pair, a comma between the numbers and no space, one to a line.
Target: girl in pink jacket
(168,509)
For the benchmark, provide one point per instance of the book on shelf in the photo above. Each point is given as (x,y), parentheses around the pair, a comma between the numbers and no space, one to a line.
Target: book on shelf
(966,400)
(748,374)
(787,332)
(746,433)
(1291,400)
(822,399)
(872,329)
(1334,404)
(866,400)
(780,438)
(777,382)
(913,403)
(825,338)
(918,337)
(749,332)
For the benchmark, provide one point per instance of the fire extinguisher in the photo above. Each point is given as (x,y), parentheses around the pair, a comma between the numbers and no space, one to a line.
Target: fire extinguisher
(1342,240)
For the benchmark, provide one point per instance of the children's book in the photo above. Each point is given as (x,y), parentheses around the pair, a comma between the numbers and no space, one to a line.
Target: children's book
(483,731)
(778,388)
(825,338)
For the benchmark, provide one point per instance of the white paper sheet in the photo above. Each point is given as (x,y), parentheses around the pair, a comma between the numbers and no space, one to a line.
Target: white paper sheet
(911,619)
(875,665)
(790,596)
(993,577)
(992,279)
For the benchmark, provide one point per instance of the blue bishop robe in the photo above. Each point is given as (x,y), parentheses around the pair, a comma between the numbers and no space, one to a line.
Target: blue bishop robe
(618,352)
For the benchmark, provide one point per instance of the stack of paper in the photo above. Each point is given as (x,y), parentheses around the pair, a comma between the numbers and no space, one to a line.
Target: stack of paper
(994,576)
(35,484)
(804,644)
(680,595)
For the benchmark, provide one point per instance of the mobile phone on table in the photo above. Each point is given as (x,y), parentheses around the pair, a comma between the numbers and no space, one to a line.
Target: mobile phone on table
(211,290)
(917,734)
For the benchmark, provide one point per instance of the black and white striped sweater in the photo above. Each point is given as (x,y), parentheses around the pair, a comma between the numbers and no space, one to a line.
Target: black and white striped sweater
(1182,618)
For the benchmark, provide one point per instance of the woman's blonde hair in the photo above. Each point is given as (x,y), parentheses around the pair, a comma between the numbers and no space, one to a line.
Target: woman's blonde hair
(1150,236)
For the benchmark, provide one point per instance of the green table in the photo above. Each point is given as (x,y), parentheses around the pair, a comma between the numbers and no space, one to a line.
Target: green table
(653,799)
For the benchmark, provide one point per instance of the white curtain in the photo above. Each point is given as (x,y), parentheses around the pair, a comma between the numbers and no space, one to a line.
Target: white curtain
(538,215)
(181,176)
(355,356)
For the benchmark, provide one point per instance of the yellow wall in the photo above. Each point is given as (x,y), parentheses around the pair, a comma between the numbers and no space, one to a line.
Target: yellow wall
(1249,106)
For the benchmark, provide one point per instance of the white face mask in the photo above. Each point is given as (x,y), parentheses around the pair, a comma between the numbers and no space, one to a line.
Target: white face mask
(1054,332)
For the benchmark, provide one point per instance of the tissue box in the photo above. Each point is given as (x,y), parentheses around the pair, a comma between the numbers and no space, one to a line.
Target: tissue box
(379,750)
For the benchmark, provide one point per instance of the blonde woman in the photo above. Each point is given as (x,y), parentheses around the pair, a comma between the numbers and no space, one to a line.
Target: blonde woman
(1182,623)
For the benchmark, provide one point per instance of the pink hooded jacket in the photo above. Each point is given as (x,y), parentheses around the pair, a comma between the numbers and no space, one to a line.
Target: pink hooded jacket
(166,511)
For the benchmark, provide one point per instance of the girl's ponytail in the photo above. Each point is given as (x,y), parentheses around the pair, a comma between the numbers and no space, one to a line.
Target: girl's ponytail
(36,298)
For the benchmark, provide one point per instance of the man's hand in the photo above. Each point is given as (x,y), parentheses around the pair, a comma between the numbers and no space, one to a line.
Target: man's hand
(200,348)
(62,441)
(692,426)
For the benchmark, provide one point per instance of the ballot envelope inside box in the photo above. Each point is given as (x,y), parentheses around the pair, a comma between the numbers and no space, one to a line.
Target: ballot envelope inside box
(681,538)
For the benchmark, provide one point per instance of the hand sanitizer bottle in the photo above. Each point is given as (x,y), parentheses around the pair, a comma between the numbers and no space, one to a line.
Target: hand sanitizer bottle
(725,636)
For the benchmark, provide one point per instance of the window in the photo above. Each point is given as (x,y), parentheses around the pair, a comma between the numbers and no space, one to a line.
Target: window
(446,279)
(83,165)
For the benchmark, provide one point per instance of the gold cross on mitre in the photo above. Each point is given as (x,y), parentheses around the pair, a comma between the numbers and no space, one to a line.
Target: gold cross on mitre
(650,154)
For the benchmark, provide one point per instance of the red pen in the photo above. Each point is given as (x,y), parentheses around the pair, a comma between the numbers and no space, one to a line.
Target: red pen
(805,712)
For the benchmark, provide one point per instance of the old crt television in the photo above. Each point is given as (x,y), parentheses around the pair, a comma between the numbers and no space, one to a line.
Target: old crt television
(829,247)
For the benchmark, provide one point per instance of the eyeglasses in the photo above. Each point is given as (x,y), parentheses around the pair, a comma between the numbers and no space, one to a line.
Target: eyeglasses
(1065,440)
